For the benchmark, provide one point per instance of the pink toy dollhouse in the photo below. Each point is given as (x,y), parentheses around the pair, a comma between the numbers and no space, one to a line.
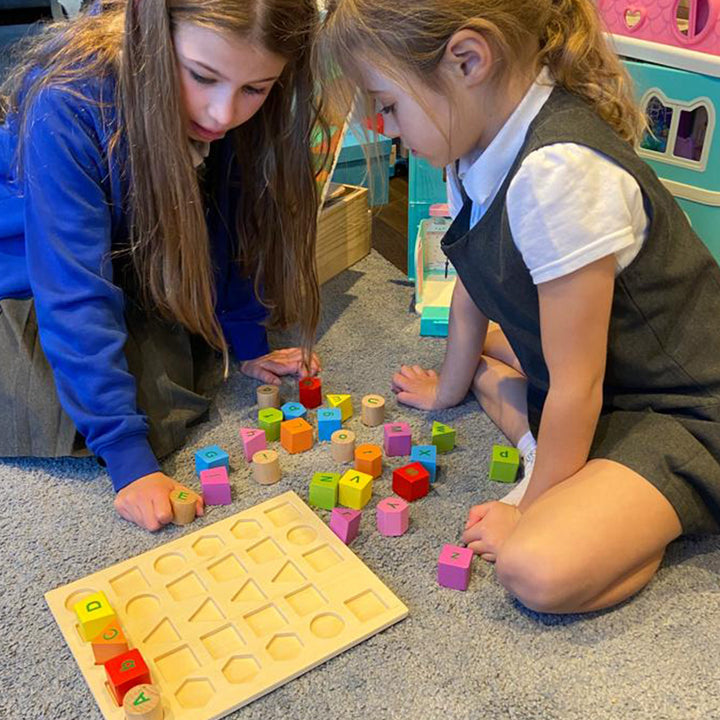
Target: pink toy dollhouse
(688,24)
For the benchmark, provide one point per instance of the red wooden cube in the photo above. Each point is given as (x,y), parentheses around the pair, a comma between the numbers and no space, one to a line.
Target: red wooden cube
(310,391)
(411,482)
(126,671)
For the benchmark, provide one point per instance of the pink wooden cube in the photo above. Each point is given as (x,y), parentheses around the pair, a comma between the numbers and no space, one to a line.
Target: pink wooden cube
(215,486)
(398,439)
(393,516)
(345,523)
(454,567)
(253,441)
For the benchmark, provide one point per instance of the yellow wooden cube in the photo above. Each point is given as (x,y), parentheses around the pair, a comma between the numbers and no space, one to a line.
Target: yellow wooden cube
(94,614)
(344,402)
(355,489)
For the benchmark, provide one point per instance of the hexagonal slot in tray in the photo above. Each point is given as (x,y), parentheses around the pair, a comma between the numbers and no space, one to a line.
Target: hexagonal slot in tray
(241,669)
(195,693)
(246,529)
(284,646)
(208,545)
(223,642)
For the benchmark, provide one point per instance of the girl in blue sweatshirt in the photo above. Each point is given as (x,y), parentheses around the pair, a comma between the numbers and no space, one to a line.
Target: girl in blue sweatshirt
(157,212)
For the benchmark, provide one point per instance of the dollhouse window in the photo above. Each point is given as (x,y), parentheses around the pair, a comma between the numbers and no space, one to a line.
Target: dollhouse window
(691,17)
(681,133)
(659,118)
(692,129)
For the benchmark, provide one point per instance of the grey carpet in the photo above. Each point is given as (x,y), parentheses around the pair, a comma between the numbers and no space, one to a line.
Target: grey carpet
(476,654)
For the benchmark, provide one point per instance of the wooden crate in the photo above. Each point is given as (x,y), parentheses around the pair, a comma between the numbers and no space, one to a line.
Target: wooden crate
(344,230)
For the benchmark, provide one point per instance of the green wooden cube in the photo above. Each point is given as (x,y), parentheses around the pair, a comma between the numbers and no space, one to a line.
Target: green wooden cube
(443,437)
(269,420)
(505,464)
(324,490)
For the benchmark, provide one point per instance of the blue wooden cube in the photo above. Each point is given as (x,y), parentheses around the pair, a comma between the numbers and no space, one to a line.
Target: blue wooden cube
(209,457)
(292,410)
(329,420)
(426,455)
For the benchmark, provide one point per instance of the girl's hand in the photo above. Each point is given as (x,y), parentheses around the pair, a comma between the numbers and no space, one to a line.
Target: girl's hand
(488,527)
(417,387)
(146,501)
(271,367)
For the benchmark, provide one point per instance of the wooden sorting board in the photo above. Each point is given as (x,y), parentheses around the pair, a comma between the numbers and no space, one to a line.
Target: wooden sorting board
(228,613)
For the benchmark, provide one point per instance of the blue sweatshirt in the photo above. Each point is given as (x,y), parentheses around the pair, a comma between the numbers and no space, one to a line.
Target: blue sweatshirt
(58,225)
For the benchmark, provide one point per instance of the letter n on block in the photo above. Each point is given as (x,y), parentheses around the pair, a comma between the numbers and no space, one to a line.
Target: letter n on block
(398,439)
(454,567)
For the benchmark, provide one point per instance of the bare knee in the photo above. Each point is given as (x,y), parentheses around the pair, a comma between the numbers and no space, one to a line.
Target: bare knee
(538,580)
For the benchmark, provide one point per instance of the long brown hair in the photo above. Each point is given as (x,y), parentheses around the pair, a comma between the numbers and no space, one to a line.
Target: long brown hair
(277,213)
(407,41)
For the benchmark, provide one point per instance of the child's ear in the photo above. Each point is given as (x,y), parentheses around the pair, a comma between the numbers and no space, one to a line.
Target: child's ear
(469,57)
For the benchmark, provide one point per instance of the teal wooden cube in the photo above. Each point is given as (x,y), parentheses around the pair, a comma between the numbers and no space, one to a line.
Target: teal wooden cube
(324,490)
(269,420)
(505,464)
(328,421)
(443,437)
(292,410)
(210,457)
(426,455)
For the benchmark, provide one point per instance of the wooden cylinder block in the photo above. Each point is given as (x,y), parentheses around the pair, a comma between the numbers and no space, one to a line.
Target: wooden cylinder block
(373,410)
(266,467)
(183,504)
(343,445)
(143,702)
(268,396)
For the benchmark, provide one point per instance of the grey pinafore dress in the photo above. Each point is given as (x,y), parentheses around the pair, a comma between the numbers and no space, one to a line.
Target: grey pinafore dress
(661,394)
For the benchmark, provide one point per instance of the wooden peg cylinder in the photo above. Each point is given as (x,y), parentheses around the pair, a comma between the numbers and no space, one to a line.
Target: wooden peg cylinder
(343,445)
(183,505)
(373,410)
(266,467)
(143,702)
(268,396)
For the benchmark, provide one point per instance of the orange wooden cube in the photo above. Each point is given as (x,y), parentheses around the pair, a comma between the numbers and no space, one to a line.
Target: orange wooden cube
(368,460)
(109,643)
(296,435)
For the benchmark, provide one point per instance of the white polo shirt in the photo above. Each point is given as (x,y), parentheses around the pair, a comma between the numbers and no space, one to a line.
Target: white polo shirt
(568,205)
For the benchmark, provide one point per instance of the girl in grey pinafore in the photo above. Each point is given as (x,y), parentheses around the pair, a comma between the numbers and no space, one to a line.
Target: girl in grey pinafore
(661,393)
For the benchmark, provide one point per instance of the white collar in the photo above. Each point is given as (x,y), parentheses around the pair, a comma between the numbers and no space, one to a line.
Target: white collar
(482,173)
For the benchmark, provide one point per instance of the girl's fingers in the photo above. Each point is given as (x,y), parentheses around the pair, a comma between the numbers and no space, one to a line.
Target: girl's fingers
(476,513)
(162,507)
(145,513)
(408,398)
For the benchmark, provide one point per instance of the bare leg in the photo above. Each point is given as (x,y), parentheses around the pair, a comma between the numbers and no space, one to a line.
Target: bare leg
(500,386)
(588,543)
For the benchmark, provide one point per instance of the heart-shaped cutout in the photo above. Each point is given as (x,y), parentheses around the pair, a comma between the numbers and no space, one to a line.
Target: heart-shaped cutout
(633,18)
